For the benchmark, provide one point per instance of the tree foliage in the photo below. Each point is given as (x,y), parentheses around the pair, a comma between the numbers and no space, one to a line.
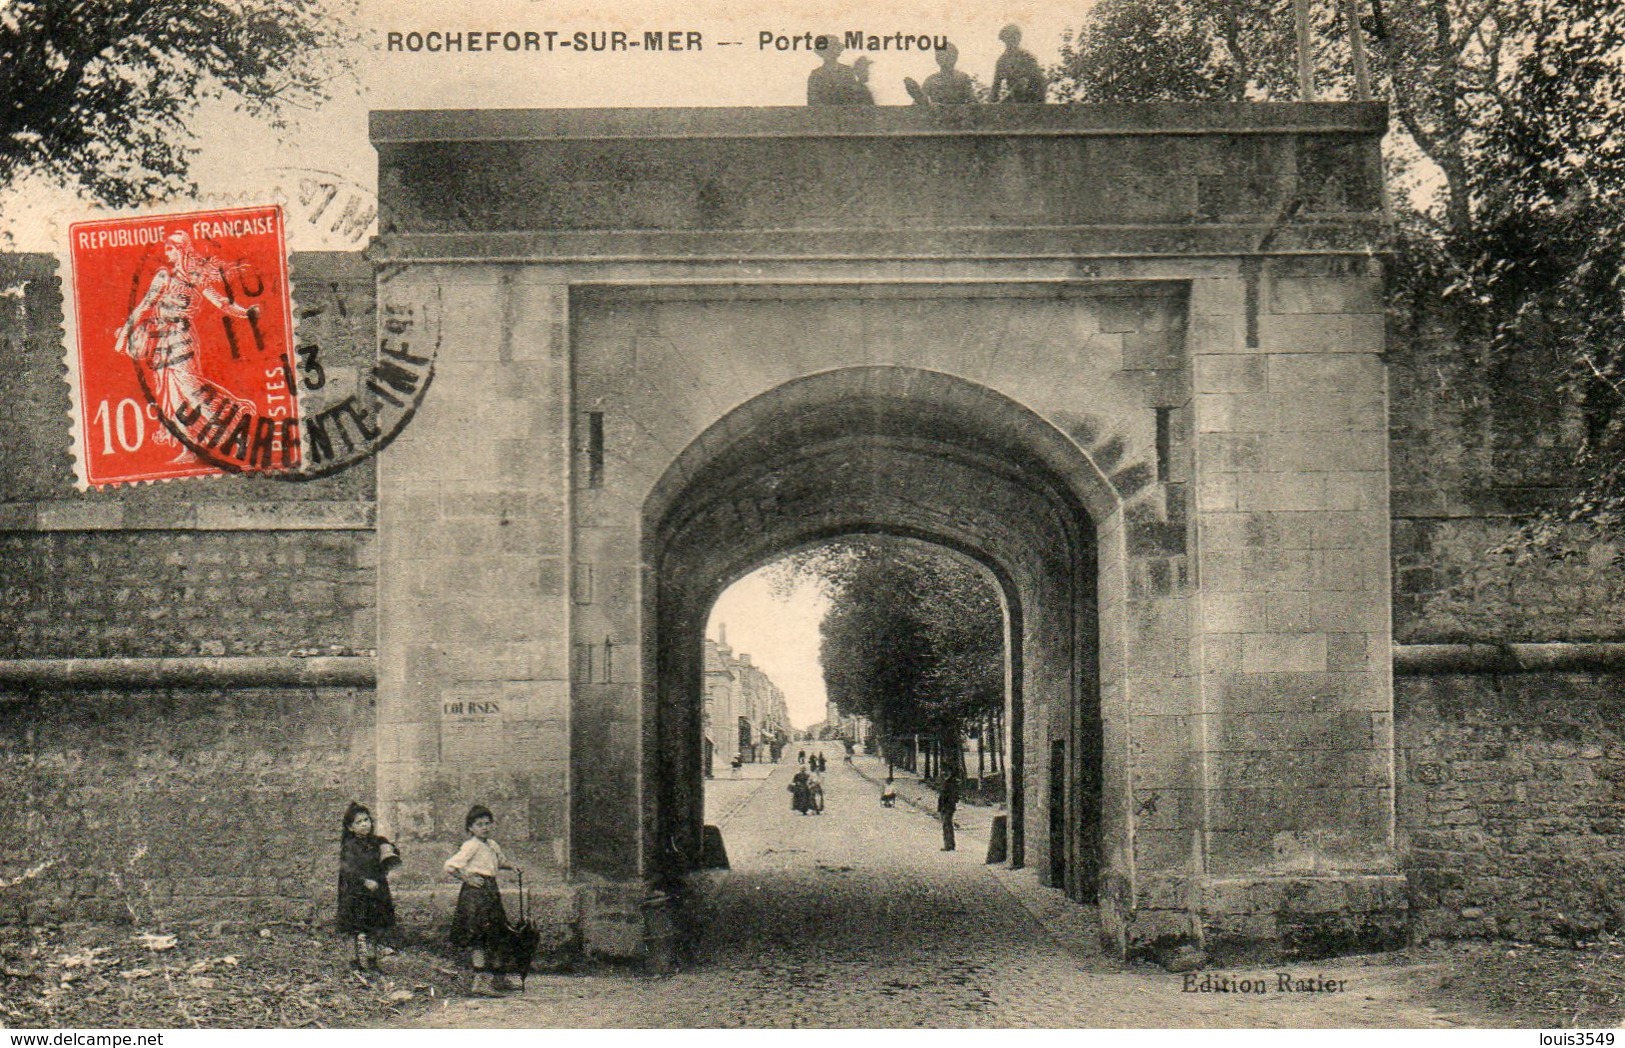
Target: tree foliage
(1545,265)
(100,94)
(914,638)
(1516,107)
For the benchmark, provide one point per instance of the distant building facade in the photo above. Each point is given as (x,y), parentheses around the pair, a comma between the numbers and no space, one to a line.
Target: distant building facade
(745,712)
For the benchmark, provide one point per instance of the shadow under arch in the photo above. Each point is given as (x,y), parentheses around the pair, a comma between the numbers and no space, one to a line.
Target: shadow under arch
(912,454)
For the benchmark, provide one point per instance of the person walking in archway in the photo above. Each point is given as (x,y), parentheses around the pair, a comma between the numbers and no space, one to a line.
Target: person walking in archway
(800,791)
(947,804)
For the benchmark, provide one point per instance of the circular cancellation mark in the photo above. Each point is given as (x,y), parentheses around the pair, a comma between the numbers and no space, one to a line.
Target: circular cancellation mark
(337,424)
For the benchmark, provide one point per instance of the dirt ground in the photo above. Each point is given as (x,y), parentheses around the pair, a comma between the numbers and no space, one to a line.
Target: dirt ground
(824,904)
(103,976)
(97,976)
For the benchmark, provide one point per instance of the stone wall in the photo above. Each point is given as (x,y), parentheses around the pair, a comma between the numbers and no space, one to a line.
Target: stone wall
(195,799)
(1509,807)
(1510,783)
(153,807)
(166,593)
(1477,443)
(209,566)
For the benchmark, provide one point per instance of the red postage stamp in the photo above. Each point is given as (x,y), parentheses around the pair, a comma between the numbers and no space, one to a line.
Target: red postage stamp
(185,346)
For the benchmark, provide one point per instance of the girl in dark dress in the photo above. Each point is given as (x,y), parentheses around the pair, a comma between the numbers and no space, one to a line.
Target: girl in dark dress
(365,908)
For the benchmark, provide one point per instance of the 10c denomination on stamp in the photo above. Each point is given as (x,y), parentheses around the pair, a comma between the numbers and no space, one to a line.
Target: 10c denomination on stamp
(185,342)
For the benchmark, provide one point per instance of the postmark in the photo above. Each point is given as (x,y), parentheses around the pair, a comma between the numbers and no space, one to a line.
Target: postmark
(350,414)
(189,362)
(337,209)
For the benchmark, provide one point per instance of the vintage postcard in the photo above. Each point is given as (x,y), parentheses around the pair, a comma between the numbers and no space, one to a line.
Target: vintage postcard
(517,515)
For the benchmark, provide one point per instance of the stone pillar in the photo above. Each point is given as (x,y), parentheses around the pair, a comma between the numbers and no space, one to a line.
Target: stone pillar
(1295,725)
(473,693)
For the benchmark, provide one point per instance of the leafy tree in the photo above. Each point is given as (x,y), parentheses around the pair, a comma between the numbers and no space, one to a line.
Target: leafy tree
(1447,67)
(914,638)
(1179,51)
(1546,264)
(99,94)
(1519,108)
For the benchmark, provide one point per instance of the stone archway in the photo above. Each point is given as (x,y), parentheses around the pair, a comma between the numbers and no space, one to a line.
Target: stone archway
(898,451)
(1187,295)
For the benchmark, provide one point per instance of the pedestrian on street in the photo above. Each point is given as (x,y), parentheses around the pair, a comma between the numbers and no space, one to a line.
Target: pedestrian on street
(815,792)
(365,908)
(801,756)
(888,796)
(800,791)
(480,922)
(947,804)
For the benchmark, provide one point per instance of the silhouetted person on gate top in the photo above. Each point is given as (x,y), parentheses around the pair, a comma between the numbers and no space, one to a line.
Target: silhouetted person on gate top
(947,86)
(861,66)
(1016,76)
(834,84)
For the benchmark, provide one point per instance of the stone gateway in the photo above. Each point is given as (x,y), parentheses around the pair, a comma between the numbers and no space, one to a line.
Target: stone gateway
(1102,352)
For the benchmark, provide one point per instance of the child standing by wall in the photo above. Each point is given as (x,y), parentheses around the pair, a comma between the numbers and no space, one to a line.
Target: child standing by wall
(365,908)
(480,923)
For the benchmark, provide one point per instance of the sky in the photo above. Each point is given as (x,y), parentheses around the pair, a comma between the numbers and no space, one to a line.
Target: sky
(780,634)
(239,160)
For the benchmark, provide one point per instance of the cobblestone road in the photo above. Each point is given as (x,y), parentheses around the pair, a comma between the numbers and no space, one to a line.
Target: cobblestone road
(854,918)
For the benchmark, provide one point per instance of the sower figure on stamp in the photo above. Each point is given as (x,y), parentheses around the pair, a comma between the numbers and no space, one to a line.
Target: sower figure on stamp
(162,332)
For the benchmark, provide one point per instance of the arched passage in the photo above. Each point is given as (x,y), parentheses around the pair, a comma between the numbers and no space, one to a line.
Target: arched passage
(904,452)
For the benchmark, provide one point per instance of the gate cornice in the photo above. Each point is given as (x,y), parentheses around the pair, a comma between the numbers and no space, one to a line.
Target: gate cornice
(1071,120)
(888,183)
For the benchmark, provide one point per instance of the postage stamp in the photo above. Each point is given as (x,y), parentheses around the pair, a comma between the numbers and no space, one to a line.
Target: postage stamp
(189,363)
(185,343)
